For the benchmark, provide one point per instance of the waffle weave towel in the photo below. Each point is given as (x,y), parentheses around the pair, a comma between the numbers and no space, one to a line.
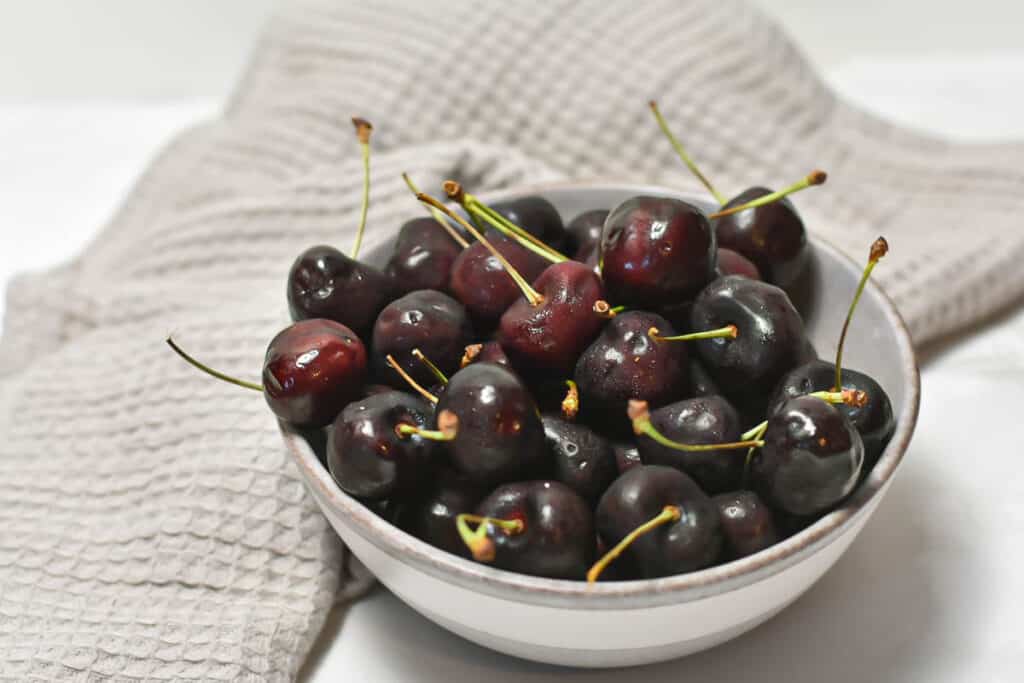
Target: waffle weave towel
(151,526)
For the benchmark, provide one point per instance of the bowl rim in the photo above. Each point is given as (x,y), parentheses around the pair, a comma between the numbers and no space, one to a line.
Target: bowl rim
(667,590)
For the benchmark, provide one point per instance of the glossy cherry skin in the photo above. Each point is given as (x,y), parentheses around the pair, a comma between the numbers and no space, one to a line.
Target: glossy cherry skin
(770,340)
(811,458)
(324,283)
(624,363)
(747,523)
(874,420)
(734,263)
(771,236)
(656,251)
(583,460)
(480,282)
(423,257)
(537,216)
(491,352)
(431,517)
(627,456)
(427,320)
(557,539)
(500,437)
(701,381)
(639,495)
(705,420)
(312,370)
(552,334)
(369,459)
(585,233)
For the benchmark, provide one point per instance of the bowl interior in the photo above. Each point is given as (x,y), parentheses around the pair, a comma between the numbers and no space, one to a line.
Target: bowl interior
(878,344)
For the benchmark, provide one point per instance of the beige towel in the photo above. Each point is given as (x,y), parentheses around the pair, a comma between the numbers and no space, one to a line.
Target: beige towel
(151,525)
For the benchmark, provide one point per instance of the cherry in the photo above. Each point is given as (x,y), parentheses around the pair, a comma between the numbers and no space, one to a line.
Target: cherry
(325,283)
(423,257)
(659,523)
(627,456)
(811,458)
(541,528)
(427,320)
(625,363)
(701,381)
(656,251)
(491,423)
(551,332)
(585,234)
(747,523)
(490,352)
(734,263)
(706,420)
(480,281)
(431,517)
(537,216)
(583,460)
(369,458)
(770,340)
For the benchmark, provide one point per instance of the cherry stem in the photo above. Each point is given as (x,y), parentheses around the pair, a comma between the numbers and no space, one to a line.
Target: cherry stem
(851,397)
(641,417)
(668,514)
(210,371)
(529,292)
(470,354)
(603,309)
(571,402)
(682,153)
(729,331)
(438,216)
(447,428)
(755,433)
(878,249)
(441,377)
(409,380)
(481,547)
(363,130)
(477,210)
(812,179)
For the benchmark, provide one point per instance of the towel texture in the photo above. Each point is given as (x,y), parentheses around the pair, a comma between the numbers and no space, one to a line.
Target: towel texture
(151,526)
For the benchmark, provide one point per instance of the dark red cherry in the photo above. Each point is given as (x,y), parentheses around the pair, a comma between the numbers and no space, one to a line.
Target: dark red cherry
(691,542)
(551,334)
(701,381)
(624,363)
(423,257)
(627,456)
(557,535)
(704,420)
(770,338)
(734,263)
(771,236)
(585,233)
(427,320)
(325,283)
(811,458)
(656,251)
(583,460)
(481,283)
(874,419)
(747,523)
(486,352)
(537,216)
(499,436)
(431,517)
(312,370)
(367,456)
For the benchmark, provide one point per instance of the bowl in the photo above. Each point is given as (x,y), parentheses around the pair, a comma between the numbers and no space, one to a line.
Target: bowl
(627,623)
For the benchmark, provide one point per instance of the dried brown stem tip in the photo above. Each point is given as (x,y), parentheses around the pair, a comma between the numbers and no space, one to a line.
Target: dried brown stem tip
(448,423)
(363,129)
(453,190)
(855,398)
(482,549)
(470,354)
(638,411)
(603,309)
(571,402)
(817,177)
(879,249)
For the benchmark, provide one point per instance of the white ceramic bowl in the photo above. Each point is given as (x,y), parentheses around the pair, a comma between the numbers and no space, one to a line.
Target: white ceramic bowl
(637,622)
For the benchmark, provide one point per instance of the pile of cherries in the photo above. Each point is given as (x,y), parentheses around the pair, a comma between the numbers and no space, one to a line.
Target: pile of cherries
(649,406)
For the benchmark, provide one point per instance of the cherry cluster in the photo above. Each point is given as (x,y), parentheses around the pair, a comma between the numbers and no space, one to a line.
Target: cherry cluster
(628,395)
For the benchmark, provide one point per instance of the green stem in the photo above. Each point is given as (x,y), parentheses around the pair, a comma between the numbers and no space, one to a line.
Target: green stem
(476,208)
(878,250)
(729,331)
(668,514)
(812,179)
(647,429)
(404,429)
(683,155)
(438,216)
(363,130)
(481,547)
(441,377)
(210,371)
(409,380)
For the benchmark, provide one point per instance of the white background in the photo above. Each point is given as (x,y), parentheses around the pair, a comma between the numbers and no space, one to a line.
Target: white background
(930,592)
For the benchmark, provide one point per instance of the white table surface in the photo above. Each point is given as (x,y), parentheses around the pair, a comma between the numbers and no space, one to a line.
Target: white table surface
(931,591)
